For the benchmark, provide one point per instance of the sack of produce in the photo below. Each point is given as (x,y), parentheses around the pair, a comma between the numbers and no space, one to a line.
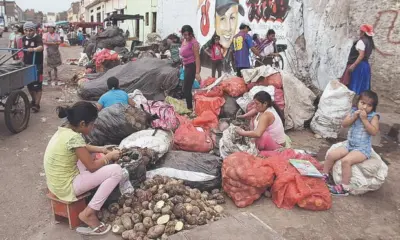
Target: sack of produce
(167,119)
(334,105)
(367,176)
(152,76)
(207,120)
(190,138)
(234,87)
(214,92)
(158,140)
(213,104)
(207,82)
(197,170)
(245,177)
(290,188)
(230,108)
(115,123)
(232,142)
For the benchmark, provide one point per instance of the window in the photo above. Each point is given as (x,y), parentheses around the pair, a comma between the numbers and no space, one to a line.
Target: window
(98,19)
(154,25)
(92,18)
(147,19)
(122,13)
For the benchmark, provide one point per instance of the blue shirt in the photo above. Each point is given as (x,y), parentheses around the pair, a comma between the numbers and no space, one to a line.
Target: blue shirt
(242,43)
(113,97)
(358,137)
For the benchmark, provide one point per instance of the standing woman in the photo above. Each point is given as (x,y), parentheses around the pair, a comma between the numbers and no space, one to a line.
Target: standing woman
(52,41)
(358,72)
(190,53)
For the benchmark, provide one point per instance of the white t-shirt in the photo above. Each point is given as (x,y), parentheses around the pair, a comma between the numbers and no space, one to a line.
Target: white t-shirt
(61,31)
(360,45)
(267,50)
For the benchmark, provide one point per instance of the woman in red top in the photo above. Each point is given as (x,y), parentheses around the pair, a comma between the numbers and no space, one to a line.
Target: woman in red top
(216,54)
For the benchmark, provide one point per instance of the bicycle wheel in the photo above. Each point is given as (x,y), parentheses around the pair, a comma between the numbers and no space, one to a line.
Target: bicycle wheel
(278,62)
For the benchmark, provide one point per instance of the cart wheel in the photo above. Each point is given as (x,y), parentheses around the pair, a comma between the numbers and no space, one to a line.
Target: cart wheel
(17,111)
(278,62)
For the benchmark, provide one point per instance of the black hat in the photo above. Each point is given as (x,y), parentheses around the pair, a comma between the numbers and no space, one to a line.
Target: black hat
(243,26)
(221,6)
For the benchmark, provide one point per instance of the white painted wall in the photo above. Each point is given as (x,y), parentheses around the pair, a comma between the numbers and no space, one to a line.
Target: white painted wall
(173,14)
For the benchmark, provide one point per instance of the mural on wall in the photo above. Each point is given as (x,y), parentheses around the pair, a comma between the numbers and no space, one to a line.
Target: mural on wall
(223,17)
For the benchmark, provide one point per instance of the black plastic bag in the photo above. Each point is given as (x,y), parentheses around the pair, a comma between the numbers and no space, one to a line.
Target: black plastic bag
(230,108)
(116,122)
(198,170)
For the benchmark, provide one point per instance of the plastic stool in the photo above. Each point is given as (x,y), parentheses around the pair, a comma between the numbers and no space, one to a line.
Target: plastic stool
(70,210)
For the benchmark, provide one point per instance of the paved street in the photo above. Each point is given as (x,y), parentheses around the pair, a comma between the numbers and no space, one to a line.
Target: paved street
(25,212)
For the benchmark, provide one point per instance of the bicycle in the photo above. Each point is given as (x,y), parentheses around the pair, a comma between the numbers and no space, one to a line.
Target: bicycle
(274,61)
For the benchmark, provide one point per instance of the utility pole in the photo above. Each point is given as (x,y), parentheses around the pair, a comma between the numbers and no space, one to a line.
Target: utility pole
(5,9)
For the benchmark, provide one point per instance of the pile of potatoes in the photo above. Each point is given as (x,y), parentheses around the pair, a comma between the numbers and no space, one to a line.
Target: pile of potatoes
(161,207)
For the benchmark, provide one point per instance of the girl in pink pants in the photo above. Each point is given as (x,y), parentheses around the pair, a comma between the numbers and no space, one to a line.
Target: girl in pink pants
(268,126)
(67,178)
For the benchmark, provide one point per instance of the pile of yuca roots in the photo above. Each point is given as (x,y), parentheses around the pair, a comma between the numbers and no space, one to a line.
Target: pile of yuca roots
(162,206)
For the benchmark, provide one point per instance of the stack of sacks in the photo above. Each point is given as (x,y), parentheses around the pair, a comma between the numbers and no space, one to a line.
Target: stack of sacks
(245,177)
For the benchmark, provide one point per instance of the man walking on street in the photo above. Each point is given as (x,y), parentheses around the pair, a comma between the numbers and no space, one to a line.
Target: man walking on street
(242,44)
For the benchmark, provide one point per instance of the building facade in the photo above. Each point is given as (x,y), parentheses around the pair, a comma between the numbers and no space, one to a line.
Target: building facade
(73,12)
(13,12)
(50,17)
(148,9)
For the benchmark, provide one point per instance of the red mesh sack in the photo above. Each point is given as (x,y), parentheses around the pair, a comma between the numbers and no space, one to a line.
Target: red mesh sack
(213,104)
(207,120)
(188,138)
(215,92)
(234,87)
(290,188)
(207,82)
(245,177)
(274,80)
(279,99)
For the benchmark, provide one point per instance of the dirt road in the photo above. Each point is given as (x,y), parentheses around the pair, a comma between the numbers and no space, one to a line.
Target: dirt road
(25,212)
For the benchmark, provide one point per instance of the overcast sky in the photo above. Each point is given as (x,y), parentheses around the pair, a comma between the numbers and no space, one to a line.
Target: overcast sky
(45,5)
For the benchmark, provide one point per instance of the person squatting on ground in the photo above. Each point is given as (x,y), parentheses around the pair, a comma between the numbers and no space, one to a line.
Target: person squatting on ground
(32,42)
(242,44)
(364,123)
(268,126)
(190,53)
(114,95)
(68,178)
(357,75)
(52,41)
(216,53)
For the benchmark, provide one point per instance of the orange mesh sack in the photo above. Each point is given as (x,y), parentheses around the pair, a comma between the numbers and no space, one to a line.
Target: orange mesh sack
(207,120)
(207,82)
(274,80)
(214,92)
(212,104)
(290,188)
(245,177)
(234,87)
(188,138)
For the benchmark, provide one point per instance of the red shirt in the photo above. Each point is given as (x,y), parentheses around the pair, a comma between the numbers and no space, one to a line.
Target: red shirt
(216,52)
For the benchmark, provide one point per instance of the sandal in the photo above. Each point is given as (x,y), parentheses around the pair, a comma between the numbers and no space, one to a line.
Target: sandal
(338,190)
(35,108)
(88,231)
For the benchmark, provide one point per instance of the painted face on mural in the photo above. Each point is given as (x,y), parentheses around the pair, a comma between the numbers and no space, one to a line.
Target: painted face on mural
(226,25)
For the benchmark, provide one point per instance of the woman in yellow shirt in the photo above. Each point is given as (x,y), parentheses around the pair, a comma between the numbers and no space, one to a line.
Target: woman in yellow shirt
(67,178)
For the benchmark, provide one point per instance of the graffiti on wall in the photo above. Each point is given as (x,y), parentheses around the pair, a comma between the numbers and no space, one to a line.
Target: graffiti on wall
(267,10)
(223,18)
(385,25)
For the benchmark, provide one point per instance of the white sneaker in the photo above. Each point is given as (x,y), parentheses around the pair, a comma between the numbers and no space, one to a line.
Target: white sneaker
(53,84)
(45,83)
